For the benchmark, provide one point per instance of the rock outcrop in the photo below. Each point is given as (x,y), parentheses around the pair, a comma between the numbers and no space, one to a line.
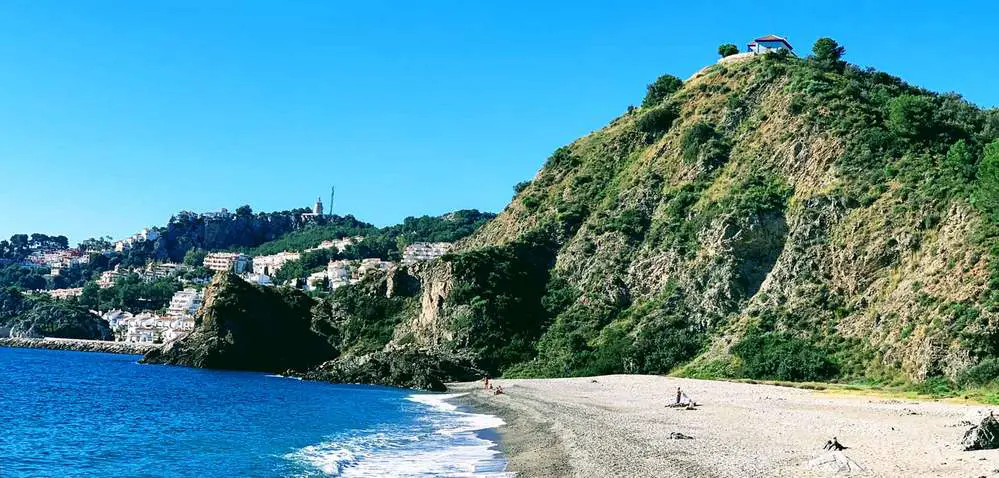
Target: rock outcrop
(61,320)
(79,345)
(242,326)
(984,436)
(421,369)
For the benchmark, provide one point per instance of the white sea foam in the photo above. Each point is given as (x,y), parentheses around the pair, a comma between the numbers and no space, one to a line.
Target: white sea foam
(448,447)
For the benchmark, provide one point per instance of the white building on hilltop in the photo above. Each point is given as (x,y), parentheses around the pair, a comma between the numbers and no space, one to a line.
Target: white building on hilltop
(769,43)
(227,261)
(425,251)
(185,303)
(317,210)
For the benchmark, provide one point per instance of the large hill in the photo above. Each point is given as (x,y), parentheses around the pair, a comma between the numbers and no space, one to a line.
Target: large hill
(773,217)
(770,217)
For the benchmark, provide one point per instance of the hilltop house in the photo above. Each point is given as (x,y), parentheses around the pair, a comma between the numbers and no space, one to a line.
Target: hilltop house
(769,43)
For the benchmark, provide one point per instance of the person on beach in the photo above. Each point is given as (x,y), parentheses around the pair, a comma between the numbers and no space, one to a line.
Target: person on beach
(679,395)
(499,391)
(485,381)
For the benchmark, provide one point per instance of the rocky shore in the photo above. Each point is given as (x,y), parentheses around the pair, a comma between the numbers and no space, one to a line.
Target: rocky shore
(79,345)
(620,425)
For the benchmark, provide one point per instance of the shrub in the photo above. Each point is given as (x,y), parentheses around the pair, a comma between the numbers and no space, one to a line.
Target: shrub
(520,187)
(702,143)
(657,120)
(660,89)
(912,116)
(665,343)
(530,202)
(727,49)
(983,373)
(987,194)
(782,356)
(960,161)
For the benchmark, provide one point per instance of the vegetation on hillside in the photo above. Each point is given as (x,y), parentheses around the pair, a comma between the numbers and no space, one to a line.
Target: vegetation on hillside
(774,218)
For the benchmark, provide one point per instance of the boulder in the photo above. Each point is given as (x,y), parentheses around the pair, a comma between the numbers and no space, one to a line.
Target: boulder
(409,367)
(242,326)
(984,436)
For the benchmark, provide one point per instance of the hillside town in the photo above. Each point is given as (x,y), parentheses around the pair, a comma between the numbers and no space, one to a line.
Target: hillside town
(178,318)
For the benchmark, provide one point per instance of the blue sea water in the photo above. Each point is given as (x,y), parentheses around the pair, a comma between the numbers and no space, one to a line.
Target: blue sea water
(81,414)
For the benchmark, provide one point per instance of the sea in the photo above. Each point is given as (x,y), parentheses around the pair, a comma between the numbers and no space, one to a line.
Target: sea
(81,414)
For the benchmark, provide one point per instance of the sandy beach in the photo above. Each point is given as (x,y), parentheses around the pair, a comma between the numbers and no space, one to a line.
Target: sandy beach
(619,426)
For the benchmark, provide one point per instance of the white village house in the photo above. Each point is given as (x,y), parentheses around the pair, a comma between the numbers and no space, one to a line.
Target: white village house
(769,43)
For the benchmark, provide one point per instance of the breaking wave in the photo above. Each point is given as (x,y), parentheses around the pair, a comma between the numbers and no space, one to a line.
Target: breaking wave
(442,441)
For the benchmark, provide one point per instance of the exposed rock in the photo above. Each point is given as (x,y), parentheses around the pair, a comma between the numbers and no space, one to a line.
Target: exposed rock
(423,369)
(984,436)
(79,345)
(61,320)
(242,326)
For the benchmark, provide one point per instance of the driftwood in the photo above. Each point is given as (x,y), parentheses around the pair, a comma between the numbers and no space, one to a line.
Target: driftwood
(835,462)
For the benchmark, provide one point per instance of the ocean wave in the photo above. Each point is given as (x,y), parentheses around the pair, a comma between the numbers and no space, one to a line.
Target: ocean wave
(447,446)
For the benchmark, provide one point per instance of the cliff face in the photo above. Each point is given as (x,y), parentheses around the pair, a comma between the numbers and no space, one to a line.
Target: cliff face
(246,327)
(771,204)
(186,232)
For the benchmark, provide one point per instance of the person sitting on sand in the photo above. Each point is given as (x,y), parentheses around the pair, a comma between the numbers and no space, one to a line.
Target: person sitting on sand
(499,390)
(834,445)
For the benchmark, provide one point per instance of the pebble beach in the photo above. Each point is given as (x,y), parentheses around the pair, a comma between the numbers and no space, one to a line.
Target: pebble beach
(620,425)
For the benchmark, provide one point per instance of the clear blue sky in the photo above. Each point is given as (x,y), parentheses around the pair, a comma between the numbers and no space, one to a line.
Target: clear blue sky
(115,114)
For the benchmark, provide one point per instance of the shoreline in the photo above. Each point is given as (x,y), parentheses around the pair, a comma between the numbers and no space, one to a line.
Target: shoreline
(529,446)
(78,345)
(619,425)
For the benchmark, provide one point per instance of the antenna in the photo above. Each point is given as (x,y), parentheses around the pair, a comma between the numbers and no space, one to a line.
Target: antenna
(332,190)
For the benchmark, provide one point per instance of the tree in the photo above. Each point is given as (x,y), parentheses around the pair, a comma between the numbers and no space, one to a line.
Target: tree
(521,186)
(987,196)
(244,211)
(660,89)
(912,116)
(826,52)
(727,49)
(195,257)
(960,161)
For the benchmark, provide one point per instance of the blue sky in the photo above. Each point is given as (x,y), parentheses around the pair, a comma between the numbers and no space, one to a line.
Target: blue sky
(115,114)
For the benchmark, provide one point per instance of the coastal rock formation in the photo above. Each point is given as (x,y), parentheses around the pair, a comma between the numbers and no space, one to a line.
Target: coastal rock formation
(58,319)
(984,436)
(242,326)
(79,345)
(421,369)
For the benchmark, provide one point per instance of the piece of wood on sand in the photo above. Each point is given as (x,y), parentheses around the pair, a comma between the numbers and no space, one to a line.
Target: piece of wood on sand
(835,462)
